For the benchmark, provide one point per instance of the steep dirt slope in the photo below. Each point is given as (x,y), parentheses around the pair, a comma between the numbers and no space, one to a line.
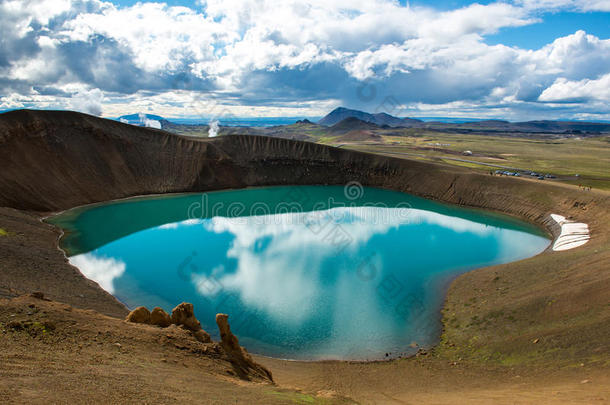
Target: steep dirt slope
(53,353)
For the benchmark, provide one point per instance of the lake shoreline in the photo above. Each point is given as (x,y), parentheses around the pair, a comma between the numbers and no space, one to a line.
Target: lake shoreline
(491,316)
(98,237)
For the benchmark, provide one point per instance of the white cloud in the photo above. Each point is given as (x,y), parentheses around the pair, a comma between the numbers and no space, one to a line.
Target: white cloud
(566,90)
(159,36)
(474,19)
(41,11)
(89,102)
(576,56)
(263,57)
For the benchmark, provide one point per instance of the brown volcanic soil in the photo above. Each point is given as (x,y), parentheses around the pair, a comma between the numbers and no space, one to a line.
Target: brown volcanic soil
(51,161)
(54,353)
(31,261)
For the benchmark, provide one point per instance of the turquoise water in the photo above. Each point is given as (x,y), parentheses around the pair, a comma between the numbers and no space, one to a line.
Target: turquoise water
(307,272)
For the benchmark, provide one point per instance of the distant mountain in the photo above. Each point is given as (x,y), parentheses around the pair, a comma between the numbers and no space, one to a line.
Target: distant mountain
(352,124)
(572,128)
(341,113)
(563,126)
(556,128)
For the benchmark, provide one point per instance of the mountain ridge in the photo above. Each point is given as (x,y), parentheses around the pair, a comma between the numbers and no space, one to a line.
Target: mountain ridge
(341,113)
(493,125)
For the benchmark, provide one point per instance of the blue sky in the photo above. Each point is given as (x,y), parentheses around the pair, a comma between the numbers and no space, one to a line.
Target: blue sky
(514,59)
(550,27)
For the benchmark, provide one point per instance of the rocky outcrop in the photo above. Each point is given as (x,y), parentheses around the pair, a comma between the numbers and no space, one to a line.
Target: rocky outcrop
(184,315)
(160,318)
(139,315)
(239,357)
(229,341)
(202,336)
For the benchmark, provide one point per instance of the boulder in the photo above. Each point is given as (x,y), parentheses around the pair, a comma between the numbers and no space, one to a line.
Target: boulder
(139,315)
(160,318)
(184,315)
(243,363)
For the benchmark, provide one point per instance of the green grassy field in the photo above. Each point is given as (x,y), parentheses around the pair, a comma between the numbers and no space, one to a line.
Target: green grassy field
(580,161)
(564,158)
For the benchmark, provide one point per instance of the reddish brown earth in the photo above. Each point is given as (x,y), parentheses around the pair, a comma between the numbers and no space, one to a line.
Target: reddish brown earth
(533,331)
(54,353)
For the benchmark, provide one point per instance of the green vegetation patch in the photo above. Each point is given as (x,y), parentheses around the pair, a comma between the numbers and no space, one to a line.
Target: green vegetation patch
(3,232)
(564,157)
(294,397)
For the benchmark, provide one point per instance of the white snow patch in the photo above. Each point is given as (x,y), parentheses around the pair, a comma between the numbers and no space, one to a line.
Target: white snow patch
(573,234)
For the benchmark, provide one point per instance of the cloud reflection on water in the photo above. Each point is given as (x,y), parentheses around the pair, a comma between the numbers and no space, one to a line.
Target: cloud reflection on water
(103,270)
(283,278)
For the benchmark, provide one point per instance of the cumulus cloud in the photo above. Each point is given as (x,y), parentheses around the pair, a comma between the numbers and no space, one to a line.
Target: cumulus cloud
(581,90)
(89,102)
(263,57)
